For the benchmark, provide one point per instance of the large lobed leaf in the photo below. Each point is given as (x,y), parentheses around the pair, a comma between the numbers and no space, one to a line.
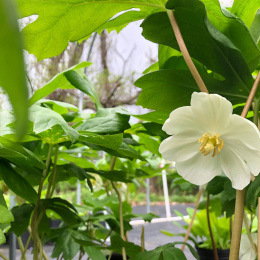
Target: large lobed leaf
(204,42)
(12,73)
(61,21)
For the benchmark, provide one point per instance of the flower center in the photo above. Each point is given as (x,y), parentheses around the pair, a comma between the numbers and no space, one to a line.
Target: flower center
(211,142)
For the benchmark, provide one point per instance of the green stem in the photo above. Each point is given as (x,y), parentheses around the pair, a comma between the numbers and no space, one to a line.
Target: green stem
(20,243)
(185,52)
(3,256)
(35,235)
(51,184)
(27,244)
(215,252)
(121,219)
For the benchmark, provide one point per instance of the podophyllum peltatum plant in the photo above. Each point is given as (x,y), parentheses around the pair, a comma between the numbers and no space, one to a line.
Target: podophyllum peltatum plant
(201,47)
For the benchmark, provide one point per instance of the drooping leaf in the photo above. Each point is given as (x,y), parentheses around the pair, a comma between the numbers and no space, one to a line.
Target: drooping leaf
(94,253)
(83,84)
(165,252)
(5,215)
(216,185)
(11,62)
(22,215)
(155,116)
(245,10)
(59,81)
(109,141)
(58,106)
(67,21)
(166,90)
(255,29)
(17,183)
(235,30)
(20,156)
(107,121)
(44,119)
(205,43)
(79,161)
(252,194)
(111,175)
(66,245)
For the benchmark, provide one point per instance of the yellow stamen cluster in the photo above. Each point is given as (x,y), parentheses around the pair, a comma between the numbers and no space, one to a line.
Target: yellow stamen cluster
(211,142)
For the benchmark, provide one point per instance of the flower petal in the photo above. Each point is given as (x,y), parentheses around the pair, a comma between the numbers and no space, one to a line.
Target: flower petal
(252,157)
(199,169)
(179,120)
(180,147)
(211,111)
(242,129)
(234,168)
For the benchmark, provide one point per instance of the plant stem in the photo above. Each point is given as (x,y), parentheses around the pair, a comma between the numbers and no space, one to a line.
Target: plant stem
(142,240)
(215,252)
(20,243)
(192,219)
(3,256)
(249,233)
(185,52)
(27,243)
(53,175)
(121,219)
(34,233)
(240,194)
(237,225)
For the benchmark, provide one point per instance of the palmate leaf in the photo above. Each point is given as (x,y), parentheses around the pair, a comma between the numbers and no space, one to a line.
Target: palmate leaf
(204,42)
(61,21)
(12,73)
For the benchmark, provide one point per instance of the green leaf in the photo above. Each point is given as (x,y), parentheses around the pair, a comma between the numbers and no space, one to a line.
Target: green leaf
(155,116)
(245,10)
(108,141)
(44,119)
(94,253)
(59,81)
(235,30)
(22,215)
(83,84)
(193,251)
(79,161)
(2,237)
(255,29)
(66,245)
(12,72)
(68,19)
(58,106)
(121,21)
(166,90)
(111,175)
(5,215)
(204,42)
(165,252)
(216,185)
(20,156)
(107,121)
(117,243)
(17,183)
(252,194)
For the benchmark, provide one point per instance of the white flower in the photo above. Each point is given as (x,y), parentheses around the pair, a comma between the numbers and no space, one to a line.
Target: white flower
(246,252)
(207,139)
